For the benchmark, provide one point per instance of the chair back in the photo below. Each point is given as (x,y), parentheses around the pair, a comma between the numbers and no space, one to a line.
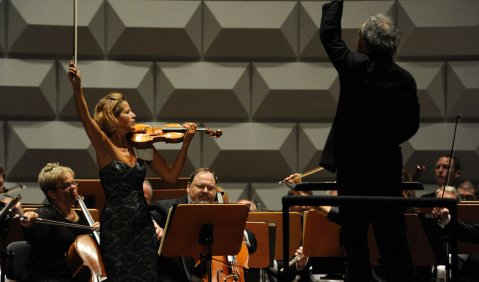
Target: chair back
(17,259)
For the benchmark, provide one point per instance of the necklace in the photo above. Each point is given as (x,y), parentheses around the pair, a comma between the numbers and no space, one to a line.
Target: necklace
(71,217)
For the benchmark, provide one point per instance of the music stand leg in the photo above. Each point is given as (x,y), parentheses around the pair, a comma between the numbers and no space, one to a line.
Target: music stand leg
(3,256)
(206,239)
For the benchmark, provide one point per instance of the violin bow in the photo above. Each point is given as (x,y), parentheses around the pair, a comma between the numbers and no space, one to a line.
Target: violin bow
(75,31)
(54,222)
(451,155)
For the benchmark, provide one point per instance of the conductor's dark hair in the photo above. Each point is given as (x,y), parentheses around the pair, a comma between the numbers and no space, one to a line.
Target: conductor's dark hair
(379,35)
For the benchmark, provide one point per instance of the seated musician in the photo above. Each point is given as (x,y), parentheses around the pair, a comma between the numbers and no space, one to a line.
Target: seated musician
(468,264)
(302,270)
(4,200)
(201,189)
(51,242)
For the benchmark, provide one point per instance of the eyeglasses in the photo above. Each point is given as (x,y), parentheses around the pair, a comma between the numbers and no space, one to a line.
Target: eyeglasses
(203,186)
(67,185)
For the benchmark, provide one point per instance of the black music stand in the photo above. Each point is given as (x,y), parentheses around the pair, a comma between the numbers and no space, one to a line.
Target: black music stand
(3,221)
(8,207)
(326,186)
(204,230)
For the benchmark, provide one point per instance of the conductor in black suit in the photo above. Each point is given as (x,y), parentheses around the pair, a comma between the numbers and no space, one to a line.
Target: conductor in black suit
(201,189)
(377,110)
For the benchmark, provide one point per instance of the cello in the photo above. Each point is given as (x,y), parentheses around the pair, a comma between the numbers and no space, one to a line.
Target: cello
(83,256)
(228,268)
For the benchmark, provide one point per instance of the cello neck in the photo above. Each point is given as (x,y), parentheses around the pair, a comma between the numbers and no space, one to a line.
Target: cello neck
(88,217)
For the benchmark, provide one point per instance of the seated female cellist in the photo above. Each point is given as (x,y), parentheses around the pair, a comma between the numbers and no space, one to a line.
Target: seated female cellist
(51,242)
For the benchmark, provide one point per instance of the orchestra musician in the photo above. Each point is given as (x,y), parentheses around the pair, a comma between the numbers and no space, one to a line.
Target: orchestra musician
(372,87)
(51,242)
(201,189)
(4,200)
(302,270)
(128,236)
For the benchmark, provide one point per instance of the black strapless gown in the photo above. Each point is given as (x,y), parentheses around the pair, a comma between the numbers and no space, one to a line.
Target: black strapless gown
(127,236)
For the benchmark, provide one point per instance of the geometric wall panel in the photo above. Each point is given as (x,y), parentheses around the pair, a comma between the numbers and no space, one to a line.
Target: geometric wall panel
(270,194)
(133,79)
(53,34)
(235,191)
(312,138)
(249,151)
(439,28)
(250,29)
(434,140)
(463,89)
(2,27)
(430,81)
(203,91)
(294,91)
(2,144)
(256,69)
(354,14)
(33,144)
(156,29)
(27,89)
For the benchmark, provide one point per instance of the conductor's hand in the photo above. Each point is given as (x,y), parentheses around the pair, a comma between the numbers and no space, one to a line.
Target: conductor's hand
(74,76)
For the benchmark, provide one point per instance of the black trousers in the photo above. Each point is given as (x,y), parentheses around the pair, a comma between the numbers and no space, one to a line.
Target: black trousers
(388,223)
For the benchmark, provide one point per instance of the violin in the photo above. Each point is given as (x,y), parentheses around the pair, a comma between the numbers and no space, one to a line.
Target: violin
(83,256)
(145,135)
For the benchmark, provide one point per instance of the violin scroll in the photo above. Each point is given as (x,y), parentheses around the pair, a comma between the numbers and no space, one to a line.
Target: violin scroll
(214,133)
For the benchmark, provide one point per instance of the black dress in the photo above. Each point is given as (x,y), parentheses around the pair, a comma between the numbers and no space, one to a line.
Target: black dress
(127,235)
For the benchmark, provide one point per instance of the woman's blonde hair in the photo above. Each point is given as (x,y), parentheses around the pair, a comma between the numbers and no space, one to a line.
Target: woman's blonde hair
(107,111)
(51,174)
(448,189)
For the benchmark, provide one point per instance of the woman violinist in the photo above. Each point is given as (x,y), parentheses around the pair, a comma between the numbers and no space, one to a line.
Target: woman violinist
(51,242)
(128,241)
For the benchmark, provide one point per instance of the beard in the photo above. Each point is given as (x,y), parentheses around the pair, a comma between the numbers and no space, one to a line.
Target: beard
(202,199)
(200,202)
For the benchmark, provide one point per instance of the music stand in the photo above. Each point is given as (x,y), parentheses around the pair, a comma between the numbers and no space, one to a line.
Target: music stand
(326,186)
(4,212)
(204,230)
(3,216)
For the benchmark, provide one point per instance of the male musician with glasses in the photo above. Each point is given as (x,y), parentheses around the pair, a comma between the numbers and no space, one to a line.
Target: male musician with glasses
(201,189)
(377,110)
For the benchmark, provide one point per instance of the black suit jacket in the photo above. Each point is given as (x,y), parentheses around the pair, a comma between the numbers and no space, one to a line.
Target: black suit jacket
(377,109)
